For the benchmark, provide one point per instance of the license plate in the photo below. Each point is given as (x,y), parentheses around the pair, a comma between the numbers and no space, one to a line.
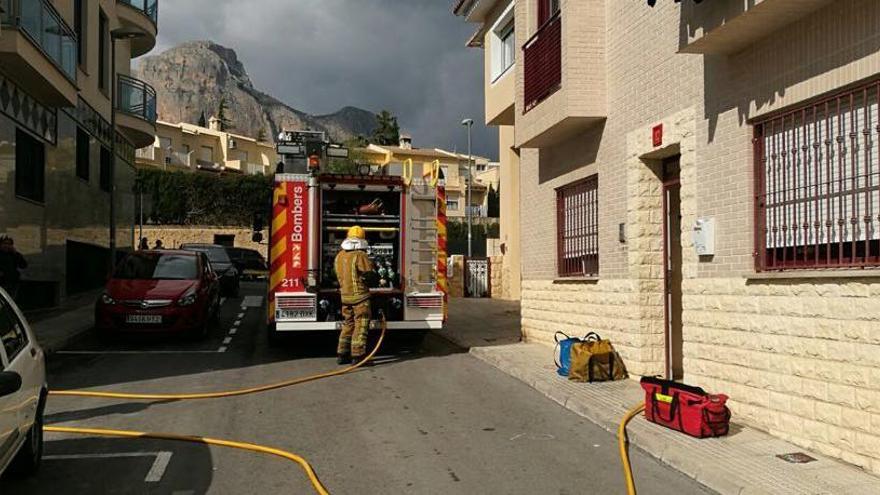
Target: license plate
(144,319)
(295,314)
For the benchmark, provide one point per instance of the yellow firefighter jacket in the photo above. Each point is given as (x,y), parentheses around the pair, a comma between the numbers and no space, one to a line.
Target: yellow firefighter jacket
(350,269)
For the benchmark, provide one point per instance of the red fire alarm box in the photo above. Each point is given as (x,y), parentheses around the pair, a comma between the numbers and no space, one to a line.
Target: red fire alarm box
(657,135)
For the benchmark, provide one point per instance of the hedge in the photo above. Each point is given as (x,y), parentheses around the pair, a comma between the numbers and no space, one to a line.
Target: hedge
(457,237)
(180,198)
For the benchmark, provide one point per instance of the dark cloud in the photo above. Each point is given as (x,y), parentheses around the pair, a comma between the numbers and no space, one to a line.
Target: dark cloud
(407,56)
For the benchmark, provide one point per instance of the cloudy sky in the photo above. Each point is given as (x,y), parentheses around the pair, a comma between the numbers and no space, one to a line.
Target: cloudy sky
(408,56)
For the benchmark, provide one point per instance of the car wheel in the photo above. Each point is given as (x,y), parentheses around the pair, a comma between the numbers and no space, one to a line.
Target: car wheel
(28,459)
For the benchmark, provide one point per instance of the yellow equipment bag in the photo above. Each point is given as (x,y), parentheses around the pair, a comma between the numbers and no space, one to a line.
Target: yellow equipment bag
(595,360)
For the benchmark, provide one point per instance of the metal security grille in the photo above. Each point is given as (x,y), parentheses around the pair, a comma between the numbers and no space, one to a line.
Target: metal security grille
(577,228)
(818,190)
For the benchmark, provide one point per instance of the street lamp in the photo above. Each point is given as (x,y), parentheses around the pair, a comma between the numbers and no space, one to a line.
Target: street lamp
(116,34)
(469,123)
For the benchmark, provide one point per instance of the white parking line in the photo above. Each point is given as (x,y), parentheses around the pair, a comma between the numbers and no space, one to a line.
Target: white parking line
(252,302)
(157,471)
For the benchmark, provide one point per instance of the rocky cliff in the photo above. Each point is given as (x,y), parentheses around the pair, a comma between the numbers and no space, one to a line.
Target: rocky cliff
(193,77)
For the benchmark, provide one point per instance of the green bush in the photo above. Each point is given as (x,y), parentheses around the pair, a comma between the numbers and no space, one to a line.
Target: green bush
(457,237)
(180,198)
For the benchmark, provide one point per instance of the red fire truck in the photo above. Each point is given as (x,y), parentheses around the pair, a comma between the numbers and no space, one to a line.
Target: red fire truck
(403,214)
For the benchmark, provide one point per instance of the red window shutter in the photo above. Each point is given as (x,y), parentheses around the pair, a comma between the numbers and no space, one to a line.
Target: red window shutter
(543,12)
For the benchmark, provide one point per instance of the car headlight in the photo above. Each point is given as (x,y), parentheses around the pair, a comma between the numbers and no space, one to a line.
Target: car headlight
(188,298)
(106,299)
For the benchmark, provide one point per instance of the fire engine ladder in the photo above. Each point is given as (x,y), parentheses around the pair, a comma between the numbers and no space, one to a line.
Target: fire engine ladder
(423,236)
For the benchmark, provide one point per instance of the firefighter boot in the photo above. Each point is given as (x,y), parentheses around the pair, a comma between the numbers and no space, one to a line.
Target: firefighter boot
(343,359)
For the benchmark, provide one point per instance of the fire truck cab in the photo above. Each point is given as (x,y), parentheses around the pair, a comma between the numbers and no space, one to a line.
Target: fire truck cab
(404,217)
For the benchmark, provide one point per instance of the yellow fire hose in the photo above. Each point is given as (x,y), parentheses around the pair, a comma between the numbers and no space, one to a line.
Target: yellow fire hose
(304,464)
(230,393)
(623,443)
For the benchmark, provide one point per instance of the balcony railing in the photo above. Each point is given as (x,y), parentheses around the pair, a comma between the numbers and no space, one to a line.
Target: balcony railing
(150,8)
(476,211)
(136,98)
(542,62)
(43,25)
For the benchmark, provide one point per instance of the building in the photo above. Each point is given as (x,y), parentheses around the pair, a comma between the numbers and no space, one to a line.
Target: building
(497,35)
(188,147)
(56,82)
(699,184)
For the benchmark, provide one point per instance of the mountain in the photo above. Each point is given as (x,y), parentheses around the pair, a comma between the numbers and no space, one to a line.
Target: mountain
(191,78)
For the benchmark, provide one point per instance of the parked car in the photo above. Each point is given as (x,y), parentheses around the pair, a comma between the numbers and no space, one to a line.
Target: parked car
(23,391)
(230,277)
(250,263)
(153,291)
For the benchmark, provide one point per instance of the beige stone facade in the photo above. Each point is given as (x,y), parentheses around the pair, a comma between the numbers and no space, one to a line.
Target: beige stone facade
(191,148)
(173,237)
(798,351)
(56,137)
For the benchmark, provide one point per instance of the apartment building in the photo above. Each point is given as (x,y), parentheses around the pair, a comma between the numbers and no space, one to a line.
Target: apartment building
(700,183)
(497,36)
(59,84)
(191,148)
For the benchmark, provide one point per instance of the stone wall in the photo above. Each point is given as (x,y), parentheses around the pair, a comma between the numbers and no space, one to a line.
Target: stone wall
(496,277)
(456,276)
(173,236)
(799,358)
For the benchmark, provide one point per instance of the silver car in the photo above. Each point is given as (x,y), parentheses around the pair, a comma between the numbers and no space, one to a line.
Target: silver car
(22,392)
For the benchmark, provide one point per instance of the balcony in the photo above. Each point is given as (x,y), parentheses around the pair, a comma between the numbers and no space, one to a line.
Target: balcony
(136,110)
(561,82)
(141,16)
(542,56)
(38,49)
(729,26)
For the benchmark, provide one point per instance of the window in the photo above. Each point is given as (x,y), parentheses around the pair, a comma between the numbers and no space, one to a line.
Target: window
(164,143)
(103,52)
(452,204)
(106,164)
(577,228)
(80,26)
(817,169)
(503,43)
(30,167)
(207,154)
(546,10)
(11,331)
(83,151)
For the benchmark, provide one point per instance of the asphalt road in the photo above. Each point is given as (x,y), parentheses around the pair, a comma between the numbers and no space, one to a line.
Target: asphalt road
(431,421)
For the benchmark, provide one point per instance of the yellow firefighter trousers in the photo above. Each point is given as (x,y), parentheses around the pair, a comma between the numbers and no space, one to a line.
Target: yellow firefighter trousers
(355,326)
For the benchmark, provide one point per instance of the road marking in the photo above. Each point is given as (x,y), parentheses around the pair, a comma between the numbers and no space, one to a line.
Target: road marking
(233,331)
(222,349)
(227,340)
(240,316)
(236,323)
(90,353)
(222,301)
(157,470)
(252,302)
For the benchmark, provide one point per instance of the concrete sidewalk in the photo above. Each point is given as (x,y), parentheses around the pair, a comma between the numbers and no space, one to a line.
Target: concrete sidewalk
(57,327)
(742,463)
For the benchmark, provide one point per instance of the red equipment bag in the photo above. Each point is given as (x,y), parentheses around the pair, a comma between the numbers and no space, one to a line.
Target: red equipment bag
(685,408)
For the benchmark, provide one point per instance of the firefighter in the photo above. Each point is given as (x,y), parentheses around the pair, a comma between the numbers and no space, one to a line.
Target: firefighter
(351,265)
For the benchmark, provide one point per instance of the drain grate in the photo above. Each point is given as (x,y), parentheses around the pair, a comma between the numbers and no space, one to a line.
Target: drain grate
(796,458)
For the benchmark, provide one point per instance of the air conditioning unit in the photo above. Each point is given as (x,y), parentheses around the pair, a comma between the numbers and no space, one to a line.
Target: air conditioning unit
(232,144)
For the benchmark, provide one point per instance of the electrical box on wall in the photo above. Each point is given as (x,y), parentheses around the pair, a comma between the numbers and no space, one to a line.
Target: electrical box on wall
(704,236)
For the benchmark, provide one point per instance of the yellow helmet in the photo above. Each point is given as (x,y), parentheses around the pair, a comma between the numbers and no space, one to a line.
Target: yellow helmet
(357,232)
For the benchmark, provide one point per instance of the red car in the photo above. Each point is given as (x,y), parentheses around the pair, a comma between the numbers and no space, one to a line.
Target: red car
(160,291)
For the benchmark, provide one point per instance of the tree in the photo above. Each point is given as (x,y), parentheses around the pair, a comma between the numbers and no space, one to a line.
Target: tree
(225,123)
(493,202)
(203,122)
(387,130)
